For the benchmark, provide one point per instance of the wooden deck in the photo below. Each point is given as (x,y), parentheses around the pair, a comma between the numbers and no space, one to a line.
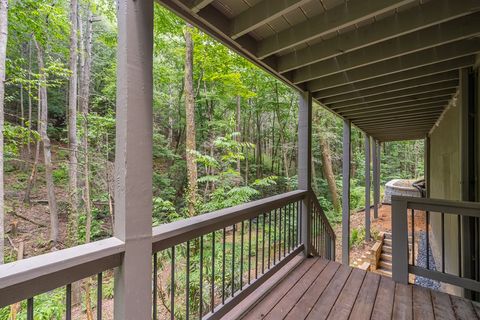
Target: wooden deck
(320,289)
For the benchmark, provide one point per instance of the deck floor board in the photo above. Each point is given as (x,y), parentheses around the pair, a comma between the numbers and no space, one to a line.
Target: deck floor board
(318,288)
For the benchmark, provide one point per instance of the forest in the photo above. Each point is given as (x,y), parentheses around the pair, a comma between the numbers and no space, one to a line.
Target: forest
(225,132)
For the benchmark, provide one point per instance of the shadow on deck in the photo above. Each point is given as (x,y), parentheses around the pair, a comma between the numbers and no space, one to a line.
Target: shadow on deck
(316,288)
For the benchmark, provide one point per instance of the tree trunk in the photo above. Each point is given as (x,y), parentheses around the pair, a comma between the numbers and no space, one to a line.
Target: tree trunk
(29,151)
(33,173)
(328,173)
(47,153)
(190,136)
(259,147)
(72,122)
(238,127)
(3,56)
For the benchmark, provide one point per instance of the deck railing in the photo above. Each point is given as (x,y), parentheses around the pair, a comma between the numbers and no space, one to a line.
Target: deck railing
(321,233)
(413,216)
(202,266)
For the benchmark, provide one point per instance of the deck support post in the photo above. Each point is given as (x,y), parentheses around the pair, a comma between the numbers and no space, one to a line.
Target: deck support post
(426,166)
(133,161)
(305,162)
(399,241)
(376,178)
(367,187)
(346,166)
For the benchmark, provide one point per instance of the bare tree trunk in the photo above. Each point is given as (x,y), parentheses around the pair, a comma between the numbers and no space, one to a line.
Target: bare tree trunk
(3,56)
(84,106)
(72,122)
(47,153)
(259,147)
(29,151)
(190,123)
(328,173)
(239,127)
(33,173)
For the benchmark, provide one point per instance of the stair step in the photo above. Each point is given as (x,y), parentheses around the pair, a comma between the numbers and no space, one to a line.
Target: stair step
(387,249)
(386,257)
(387,242)
(384,272)
(385,265)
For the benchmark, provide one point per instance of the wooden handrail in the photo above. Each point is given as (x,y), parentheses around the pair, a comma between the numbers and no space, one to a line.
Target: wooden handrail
(26,278)
(168,235)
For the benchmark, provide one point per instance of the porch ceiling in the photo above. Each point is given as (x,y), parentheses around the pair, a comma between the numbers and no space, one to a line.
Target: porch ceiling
(389,66)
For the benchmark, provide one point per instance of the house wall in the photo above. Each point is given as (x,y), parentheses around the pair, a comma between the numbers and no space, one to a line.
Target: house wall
(445,183)
(445,172)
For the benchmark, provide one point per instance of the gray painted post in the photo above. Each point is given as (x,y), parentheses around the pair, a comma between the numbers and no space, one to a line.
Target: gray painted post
(133,161)
(379,172)
(376,187)
(346,192)
(426,167)
(305,161)
(399,241)
(367,187)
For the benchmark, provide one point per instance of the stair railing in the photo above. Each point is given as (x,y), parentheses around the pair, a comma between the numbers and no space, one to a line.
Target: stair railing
(322,236)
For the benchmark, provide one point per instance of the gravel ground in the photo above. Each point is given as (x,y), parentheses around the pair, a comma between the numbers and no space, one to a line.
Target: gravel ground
(422,262)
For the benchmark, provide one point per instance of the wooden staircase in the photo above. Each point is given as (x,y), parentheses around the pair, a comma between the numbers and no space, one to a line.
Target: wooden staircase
(384,266)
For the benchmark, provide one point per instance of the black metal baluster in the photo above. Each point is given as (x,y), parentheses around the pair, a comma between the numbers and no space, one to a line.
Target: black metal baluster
(187,284)
(280,235)
(427,236)
(212,289)
(413,237)
(301,224)
(285,231)
(256,247)
(201,279)
(263,244)
(443,241)
(99,295)
(241,255)
(269,236)
(68,302)
(289,227)
(223,264)
(172,286)
(155,286)
(233,261)
(30,309)
(275,237)
(459,235)
(249,250)
(292,227)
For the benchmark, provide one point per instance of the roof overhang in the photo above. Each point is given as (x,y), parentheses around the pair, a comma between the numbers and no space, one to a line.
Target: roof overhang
(389,66)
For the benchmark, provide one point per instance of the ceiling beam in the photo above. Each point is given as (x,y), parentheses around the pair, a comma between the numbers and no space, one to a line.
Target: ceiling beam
(430,69)
(261,14)
(415,99)
(420,90)
(386,126)
(390,113)
(198,5)
(344,15)
(429,114)
(394,121)
(412,83)
(411,61)
(441,103)
(410,20)
(434,36)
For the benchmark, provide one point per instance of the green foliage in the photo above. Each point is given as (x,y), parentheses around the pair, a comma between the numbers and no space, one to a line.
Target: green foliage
(357,236)
(60,175)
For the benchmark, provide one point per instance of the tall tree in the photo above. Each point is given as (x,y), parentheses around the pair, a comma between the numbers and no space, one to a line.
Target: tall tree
(72,119)
(3,56)
(47,152)
(191,146)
